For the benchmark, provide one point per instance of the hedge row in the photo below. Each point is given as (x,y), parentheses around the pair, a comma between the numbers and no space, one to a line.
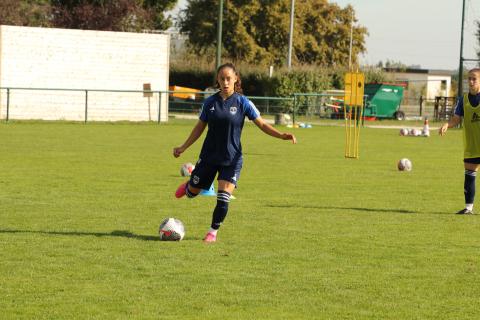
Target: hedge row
(281,84)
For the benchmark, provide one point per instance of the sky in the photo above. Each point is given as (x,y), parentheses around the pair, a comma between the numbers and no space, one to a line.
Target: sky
(414,32)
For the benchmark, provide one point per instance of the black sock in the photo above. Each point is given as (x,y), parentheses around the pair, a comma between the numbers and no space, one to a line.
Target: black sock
(189,193)
(469,186)
(220,211)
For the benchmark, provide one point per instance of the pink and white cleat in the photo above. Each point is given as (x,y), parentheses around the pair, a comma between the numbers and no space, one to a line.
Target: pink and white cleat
(181,190)
(210,237)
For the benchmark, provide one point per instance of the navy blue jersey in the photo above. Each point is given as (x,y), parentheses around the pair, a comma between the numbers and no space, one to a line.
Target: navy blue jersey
(225,119)
(473,99)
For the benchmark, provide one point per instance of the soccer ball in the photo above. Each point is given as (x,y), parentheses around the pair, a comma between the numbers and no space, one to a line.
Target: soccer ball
(404,132)
(187,169)
(404,165)
(171,229)
(415,132)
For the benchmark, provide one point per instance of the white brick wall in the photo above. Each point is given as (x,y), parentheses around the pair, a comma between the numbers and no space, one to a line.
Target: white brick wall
(80,59)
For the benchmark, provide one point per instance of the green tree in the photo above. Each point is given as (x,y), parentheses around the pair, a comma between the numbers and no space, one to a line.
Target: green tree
(395,64)
(114,15)
(257,31)
(25,12)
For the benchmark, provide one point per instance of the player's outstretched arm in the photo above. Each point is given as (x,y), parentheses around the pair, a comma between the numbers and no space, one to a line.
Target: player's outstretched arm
(194,135)
(268,129)
(453,122)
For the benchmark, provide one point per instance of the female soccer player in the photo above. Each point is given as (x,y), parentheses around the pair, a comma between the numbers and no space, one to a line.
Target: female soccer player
(224,113)
(468,108)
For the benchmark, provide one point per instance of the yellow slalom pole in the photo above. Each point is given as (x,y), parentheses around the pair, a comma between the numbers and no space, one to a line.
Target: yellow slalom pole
(358,133)
(355,128)
(353,101)
(346,129)
(349,132)
(352,130)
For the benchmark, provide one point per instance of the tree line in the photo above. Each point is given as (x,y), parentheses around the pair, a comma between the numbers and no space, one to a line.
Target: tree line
(107,15)
(254,31)
(257,31)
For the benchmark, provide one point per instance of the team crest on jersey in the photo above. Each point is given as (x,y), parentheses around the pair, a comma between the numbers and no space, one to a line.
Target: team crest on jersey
(196,179)
(475,117)
(233,110)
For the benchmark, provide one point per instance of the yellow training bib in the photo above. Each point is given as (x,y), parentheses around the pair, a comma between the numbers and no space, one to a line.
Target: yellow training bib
(471,129)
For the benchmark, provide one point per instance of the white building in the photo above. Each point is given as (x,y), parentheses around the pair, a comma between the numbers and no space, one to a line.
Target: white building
(423,82)
(107,70)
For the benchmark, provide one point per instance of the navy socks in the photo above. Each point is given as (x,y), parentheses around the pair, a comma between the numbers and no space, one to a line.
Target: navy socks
(189,193)
(220,211)
(469,186)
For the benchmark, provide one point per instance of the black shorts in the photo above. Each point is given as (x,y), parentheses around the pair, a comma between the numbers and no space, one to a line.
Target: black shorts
(472,160)
(204,173)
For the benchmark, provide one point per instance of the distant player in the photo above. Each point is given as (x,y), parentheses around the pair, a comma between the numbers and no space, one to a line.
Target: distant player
(221,153)
(468,108)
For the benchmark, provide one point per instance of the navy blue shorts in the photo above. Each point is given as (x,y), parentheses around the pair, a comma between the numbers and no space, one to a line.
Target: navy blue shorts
(472,160)
(204,173)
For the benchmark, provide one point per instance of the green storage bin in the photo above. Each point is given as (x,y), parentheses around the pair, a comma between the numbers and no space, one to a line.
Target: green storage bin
(383,101)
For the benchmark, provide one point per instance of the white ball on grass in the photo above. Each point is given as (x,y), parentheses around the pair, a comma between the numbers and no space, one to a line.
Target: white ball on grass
(404,165)
(171,229)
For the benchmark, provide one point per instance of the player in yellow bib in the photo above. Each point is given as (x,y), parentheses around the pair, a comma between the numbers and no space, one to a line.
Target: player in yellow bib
(468,108)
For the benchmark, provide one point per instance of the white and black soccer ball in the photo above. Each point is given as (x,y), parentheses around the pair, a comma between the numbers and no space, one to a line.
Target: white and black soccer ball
(414,132)
(404,165)
(171,229)
(186,169)
(404,132)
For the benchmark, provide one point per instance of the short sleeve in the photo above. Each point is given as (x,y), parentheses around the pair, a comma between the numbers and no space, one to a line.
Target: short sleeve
(459,107)
(250,110)
(203,114)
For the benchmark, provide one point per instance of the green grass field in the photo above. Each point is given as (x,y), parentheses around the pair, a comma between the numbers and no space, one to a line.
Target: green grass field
(311,235)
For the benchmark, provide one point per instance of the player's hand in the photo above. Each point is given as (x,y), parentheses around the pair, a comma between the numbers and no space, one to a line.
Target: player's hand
(289,136)
(178,151)
(443,129)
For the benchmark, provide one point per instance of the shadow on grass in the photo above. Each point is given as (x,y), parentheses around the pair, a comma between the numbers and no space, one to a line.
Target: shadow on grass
(115,233)
(402,211)
(346,208)
(260,154)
